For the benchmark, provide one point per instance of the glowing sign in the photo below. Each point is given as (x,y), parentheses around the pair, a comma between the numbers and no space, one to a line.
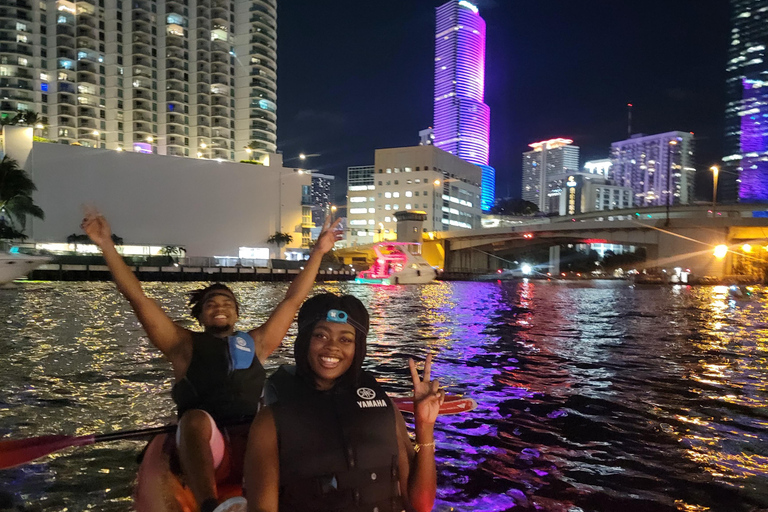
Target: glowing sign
(571,182)
(550,144)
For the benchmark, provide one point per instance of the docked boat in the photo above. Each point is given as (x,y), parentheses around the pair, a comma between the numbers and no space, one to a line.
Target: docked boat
(14,265)
(398,263)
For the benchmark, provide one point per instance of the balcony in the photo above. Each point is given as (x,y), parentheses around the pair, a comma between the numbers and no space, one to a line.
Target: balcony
(174,86)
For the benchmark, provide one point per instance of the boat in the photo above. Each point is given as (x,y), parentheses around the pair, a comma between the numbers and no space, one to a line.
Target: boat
(15,265)
(398,263)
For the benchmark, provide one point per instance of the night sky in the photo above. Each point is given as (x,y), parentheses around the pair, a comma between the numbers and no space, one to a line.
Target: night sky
(357,75)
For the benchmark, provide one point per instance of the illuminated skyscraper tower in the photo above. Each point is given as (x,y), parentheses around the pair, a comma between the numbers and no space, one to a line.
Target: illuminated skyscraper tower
(462,120)
(746,114)
(188,78)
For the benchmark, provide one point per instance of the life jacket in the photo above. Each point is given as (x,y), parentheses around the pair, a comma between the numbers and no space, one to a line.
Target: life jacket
(338,449)
(224,378)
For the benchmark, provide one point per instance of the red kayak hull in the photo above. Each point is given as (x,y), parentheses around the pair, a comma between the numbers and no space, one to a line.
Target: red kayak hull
(159,490)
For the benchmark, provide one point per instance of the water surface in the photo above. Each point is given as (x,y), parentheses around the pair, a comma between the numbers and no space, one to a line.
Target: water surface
(592,395)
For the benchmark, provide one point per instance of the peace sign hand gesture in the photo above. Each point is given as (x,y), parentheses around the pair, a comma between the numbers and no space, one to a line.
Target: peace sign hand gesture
(427,395)
(329,235)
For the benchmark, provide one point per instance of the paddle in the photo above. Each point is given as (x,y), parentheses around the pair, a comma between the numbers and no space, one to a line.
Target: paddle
(14,452)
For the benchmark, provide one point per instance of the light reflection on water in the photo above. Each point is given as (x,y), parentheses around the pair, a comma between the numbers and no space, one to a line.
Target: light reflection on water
(592,395)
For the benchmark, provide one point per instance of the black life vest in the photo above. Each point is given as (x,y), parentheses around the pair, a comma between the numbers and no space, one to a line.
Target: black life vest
(212,382)
(338,449)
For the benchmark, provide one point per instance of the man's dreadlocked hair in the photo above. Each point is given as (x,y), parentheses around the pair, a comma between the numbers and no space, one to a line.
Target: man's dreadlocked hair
(197,298)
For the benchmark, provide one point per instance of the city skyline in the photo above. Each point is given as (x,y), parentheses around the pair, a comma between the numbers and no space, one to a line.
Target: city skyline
(379,94)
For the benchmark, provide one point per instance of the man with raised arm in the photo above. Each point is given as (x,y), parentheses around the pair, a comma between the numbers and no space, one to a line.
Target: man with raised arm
(218,373)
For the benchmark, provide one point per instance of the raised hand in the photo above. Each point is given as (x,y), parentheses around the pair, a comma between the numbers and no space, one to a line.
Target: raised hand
(427,395)
(328,236)
(97,228)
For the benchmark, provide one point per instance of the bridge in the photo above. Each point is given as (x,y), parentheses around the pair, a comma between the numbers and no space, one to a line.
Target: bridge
(681,236)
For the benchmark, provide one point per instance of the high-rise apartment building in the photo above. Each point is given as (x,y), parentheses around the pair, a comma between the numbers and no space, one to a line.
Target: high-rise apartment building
(658,168)
(461,119)
(322,196)
(746,114)
(192,78)
(546,160)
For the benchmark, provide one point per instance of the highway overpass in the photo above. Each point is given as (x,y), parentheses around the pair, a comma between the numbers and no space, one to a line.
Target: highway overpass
(681,236)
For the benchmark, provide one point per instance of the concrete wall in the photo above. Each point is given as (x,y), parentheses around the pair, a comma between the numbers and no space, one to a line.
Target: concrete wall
(208,207)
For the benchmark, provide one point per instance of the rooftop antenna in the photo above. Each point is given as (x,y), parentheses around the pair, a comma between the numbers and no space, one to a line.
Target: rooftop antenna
(629,120)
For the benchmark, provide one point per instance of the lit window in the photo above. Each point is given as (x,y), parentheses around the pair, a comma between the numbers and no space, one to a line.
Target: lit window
(387,194)
(408,206)
(371,210)
(396,207)
(387,206)
(409,194)
(358,211)
(387,219)
(370,222)
(357,199)
(396,194)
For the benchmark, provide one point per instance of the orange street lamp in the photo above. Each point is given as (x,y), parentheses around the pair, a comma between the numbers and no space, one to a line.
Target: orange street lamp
(715,172)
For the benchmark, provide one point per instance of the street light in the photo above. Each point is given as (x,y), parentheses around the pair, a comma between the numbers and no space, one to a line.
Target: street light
(715,172)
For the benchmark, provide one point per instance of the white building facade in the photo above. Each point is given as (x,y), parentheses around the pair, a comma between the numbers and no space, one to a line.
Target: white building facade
(658,168)
(422,178)
(191,78)
(428,179)
(212,209)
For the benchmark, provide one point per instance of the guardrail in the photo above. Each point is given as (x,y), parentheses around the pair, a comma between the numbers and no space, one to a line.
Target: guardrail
(70,272)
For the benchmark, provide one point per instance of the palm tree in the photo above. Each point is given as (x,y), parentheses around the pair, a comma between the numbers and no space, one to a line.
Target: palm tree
(280,239)
(173,251)
(16,202)
(28,118)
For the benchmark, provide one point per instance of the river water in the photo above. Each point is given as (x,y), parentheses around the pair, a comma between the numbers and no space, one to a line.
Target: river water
(591,395)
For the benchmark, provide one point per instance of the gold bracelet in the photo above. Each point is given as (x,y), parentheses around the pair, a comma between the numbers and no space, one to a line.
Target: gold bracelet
(419,446)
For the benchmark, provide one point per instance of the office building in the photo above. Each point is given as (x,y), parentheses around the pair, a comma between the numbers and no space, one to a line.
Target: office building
(745,170)
(658,168)
(322,196)
(546,160)
(194,78)
(601,167)
(461,119)
(361,206)
(422,178)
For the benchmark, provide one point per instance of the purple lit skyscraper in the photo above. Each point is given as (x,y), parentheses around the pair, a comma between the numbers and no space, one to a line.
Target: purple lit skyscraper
(462,120)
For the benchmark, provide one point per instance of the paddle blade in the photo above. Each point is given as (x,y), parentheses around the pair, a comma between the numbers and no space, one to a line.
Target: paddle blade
(453,404)
(14,452)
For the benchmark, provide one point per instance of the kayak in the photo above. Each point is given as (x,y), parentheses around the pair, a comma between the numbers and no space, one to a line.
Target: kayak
(158,489)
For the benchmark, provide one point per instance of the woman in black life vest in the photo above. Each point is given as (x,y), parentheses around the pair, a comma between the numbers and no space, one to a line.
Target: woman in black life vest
(330,439)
